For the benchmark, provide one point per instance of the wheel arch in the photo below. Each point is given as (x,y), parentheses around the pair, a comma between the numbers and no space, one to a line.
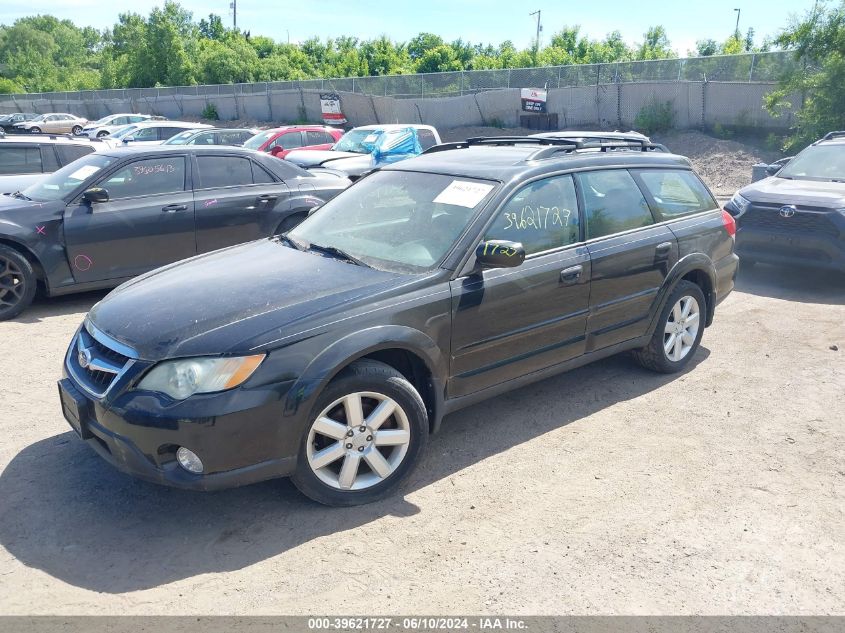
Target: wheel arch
(697,268)
(31,257)
(408,351)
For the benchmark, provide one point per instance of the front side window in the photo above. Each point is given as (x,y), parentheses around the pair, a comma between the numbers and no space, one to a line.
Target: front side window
(397,221)
(150,177)
(676,193)
(224,171)
(541,216)
(145,134)
(291,140)
(612,203)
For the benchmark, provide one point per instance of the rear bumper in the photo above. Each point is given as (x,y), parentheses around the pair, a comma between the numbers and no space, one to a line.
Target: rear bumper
(726,270)
(792,248)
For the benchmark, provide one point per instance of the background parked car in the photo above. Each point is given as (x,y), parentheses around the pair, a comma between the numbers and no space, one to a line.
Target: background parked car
(25,159)
(280,141)
(153,132)
(53,123)
(364,148)
(112,123)
(217,136)
(8,121)
(122,211)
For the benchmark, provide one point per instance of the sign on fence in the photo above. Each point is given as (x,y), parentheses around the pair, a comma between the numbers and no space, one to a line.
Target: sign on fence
(534,99)
(330,107)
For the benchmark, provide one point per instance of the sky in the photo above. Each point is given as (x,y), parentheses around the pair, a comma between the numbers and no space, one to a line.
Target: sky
(476,21)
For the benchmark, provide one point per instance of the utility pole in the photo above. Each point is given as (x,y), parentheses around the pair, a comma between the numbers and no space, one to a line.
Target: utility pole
(233,5)
(736,30)
(538,12)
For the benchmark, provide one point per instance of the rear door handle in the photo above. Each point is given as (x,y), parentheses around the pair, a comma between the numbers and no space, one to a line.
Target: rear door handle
(571,274)
(663,248)
(173,208)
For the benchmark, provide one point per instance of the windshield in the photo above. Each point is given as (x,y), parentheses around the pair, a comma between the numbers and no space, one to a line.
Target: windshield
(395,220)
(818,162)
(64,181)
(259,139)
(181,138)
(40,117)
(124,131)
(358,141)
(104,121)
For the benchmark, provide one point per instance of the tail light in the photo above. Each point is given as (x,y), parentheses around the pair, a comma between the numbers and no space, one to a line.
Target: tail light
(729,222)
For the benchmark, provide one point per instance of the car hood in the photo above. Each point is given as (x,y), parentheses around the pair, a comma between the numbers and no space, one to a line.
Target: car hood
(811,193)
(228,301)
(312,157)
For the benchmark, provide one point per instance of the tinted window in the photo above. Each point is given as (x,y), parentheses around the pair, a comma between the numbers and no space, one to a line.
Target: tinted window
(136,119)
(167,132)
(224,171)
(69,153)
(677,192)
(147,178)
(314,137)
(145,134)
(20,160)
(542,216)
(261,175)
(426,138)
(206,138)
(232,138)
(291,140)
(121,120)
(612,203)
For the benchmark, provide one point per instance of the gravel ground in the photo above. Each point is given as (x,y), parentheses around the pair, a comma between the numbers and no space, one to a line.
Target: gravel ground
(607,490)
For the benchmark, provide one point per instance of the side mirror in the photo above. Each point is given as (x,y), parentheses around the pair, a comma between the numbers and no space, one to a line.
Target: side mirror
(276,151)
(95,194)
(500,254)
(128,139)
(776,166)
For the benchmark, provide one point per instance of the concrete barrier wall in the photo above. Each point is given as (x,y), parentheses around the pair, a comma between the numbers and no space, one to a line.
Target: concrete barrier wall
(694,104)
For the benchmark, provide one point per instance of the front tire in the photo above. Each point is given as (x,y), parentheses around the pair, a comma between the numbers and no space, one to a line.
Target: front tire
(367,430)
(678,333)
(17,283)
(76,130)
(35,130)
(102,134)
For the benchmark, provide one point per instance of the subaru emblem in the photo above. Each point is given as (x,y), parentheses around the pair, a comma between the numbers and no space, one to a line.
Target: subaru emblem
(787,211)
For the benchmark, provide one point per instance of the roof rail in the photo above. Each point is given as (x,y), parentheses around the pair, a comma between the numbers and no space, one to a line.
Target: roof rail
(501,140)
(632,137)
(831,135)
(554,145)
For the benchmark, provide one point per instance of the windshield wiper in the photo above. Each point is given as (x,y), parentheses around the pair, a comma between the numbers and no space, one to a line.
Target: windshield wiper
(300,246)
(21,196)
(339,253)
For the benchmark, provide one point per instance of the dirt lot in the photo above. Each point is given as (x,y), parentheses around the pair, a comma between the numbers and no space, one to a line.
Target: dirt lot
(606,490)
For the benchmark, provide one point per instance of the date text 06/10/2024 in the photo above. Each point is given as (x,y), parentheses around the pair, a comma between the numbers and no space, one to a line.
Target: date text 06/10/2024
(416,624)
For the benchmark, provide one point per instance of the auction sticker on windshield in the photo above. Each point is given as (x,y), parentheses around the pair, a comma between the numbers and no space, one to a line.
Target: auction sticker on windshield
(463,193)
(83,172)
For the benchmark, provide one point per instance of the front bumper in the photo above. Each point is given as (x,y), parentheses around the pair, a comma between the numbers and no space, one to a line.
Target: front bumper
(241,435)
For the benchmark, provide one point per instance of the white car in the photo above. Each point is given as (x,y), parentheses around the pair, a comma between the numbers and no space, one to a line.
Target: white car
(112,123)
(151,132)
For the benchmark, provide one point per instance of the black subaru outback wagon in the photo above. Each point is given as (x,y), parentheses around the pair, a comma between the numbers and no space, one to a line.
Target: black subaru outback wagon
(329,353)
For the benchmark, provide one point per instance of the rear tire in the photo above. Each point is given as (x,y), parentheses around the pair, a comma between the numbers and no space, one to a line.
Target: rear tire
(678,333)
(35,130)
(76,130)
(365,435)
(17,283)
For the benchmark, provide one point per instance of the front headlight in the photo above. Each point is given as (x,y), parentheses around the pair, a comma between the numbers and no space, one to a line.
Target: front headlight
(740,204)
(187,376)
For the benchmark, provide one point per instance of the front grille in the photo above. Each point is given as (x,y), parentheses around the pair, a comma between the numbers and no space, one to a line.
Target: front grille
(804,220)
(94,364)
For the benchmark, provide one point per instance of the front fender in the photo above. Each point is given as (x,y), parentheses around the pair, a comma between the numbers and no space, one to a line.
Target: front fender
(341,353)
(685,265)
(43,244)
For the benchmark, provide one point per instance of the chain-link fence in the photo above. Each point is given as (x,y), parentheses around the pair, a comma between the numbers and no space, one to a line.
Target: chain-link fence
(751,67)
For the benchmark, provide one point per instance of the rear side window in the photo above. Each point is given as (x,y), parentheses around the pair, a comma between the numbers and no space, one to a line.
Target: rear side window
(612,203)
(315,137)
(206,138)
(20,160)
(149,177)
(260,176)
(167,132)
(224,171)
(69,153)
(676,193)
(426,138)
(542,215)
(146,134)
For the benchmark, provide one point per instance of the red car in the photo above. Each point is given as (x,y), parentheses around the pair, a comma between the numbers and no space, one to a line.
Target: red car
(281,140)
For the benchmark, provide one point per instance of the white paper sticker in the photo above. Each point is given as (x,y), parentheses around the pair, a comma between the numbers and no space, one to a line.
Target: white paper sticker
(84,172)
(463,193)
(370,138)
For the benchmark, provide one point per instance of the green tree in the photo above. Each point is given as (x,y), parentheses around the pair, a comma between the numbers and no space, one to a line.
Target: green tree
(420,44)
(656,45)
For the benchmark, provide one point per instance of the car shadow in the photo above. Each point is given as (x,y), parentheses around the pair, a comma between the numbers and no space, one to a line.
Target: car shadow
(48,307)
(805,285)
(69,514)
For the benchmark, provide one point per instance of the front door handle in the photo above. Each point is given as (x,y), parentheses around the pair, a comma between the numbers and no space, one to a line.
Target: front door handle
(663,248)
(572,274)
(267,198)
(173,208)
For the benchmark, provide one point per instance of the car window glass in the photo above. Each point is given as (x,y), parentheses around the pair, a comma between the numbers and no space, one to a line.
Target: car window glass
(315,137)
(542,215)
(292,140)
(230,138)
(121,120)
(20,160)
(145,134)
(206,138)
(612,203)
(677,192)
(426,138)
(166,132)
(260,175)
(224,171)
(148,177)
(69,153)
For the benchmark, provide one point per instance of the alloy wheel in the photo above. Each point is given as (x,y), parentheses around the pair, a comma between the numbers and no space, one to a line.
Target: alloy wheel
(358,441)
(681,329)
(12,284)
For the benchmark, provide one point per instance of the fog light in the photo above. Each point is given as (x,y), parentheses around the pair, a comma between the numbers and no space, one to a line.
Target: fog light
(189,460)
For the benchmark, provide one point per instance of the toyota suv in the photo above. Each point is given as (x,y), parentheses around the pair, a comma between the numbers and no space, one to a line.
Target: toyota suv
(329,353)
